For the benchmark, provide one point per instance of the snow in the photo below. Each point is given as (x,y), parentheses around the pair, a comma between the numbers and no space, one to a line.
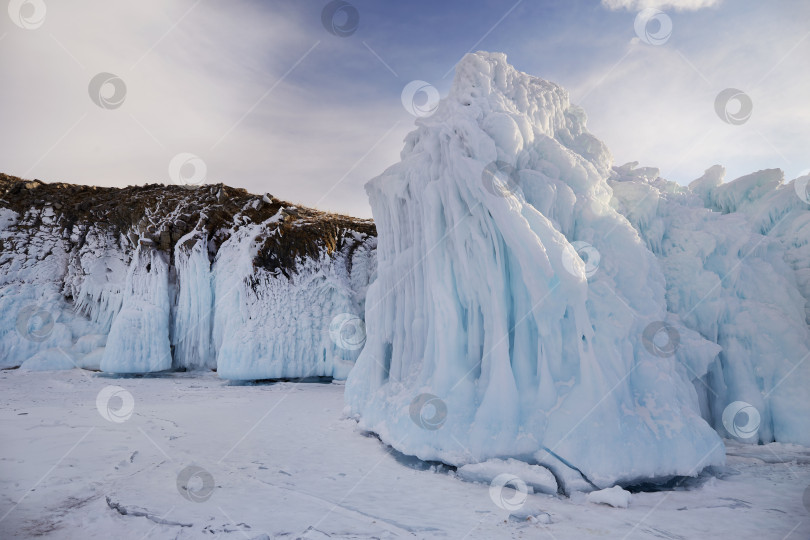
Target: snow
(483,299)
(287,465)
(7,217)
(614,496)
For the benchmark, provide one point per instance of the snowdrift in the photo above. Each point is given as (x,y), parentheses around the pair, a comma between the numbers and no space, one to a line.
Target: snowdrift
(520,311)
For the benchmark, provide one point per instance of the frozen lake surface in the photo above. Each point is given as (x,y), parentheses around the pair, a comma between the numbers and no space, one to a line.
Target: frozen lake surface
(280,461)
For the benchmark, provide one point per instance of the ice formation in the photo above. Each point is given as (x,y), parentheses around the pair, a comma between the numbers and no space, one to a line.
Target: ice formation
(536,478)
(155,278)
(537,311)
(736,257)
(615,497)
(518,287)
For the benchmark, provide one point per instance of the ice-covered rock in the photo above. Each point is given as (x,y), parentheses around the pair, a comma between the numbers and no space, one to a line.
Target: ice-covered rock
(281,327)
(513,293)
(152,278)
(614,496)
(54,359)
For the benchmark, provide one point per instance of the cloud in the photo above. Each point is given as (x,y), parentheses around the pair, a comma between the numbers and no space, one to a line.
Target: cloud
(234,84)
(656,104)
(677,5)
(272,102)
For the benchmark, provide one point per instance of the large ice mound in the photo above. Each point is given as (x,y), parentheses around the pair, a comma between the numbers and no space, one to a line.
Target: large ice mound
(511,292)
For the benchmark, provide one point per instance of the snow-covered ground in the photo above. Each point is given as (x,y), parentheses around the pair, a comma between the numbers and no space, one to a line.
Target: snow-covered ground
(280,460)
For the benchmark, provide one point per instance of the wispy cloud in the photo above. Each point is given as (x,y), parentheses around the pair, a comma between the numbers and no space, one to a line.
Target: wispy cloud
(244,86)
(241,88)
(677,5)
(657,105)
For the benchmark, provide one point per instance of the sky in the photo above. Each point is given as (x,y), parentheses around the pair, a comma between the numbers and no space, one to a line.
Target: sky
(275,97)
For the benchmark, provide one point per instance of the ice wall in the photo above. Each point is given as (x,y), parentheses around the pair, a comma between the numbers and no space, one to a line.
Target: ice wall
(139,338)
(167,278)
(270,327)
(512,293)
(193,317)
